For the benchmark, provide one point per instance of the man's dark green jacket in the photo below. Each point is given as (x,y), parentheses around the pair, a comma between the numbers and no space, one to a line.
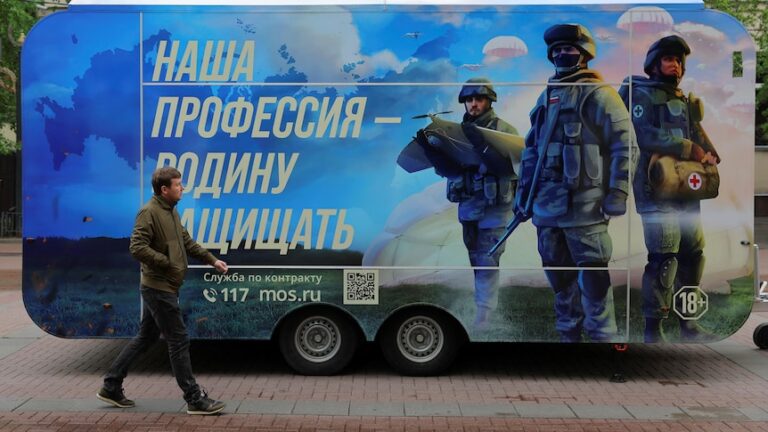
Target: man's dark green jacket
(161,244)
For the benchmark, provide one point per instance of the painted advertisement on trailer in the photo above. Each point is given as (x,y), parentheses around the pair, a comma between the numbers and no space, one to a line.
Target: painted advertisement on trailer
(373,159)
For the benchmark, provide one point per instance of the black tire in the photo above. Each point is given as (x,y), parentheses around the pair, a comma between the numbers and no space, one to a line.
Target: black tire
(760,336)
(318,341)
(420,342)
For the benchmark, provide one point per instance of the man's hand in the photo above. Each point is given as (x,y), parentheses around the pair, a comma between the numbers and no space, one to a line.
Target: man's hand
(697,153)
(221,266)
(615,203)
(711,159)
(521,215)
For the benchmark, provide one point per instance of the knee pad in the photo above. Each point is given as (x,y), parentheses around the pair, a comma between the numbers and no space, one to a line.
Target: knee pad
(667,273)
(666,266)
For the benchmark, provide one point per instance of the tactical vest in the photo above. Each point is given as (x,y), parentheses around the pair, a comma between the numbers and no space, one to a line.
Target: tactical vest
(481,195)
(571,184)
(669,113)
(667,178)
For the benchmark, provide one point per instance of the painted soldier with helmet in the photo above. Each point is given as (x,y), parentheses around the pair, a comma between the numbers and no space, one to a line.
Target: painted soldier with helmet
(485,196)
(483,189)
(676,170)
(574,177)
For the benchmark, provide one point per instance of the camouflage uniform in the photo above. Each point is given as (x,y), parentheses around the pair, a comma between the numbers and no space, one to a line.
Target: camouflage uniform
(672,228)
(485,198)
(485,194)
(580,134)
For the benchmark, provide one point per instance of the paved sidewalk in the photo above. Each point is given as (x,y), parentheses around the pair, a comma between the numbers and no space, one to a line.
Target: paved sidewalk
(49,384)
(10,263)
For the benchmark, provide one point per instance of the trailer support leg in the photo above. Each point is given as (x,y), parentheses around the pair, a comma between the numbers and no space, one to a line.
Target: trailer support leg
(618,352)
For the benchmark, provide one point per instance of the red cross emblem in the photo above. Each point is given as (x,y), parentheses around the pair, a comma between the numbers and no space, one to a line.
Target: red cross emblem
(694,181)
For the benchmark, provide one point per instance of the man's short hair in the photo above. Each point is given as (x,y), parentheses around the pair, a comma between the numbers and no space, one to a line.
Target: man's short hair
(162,177)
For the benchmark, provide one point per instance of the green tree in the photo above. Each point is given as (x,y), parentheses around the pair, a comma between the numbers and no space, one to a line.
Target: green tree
(16,18)
(754,15)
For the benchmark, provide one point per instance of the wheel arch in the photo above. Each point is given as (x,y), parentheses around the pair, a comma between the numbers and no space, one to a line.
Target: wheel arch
(277,328)
(405,309)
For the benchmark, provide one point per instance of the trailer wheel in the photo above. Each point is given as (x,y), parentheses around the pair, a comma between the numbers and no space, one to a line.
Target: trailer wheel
(420,342)
(760,336)
(318,342)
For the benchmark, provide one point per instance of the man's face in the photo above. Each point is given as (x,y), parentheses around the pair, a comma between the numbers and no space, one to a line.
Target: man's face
(565,57)
(564,50)
(173,193)
(671,66)
(477,105)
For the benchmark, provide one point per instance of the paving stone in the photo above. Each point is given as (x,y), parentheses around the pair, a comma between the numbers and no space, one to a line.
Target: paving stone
(600,412)
(544,411)
(431,409)
(754,413)
(159,405)
(266,407)
(383,409)
(715,413)
(9,346)
(321,408)
(30,331)
(232,406)
(66,405)
(7,405)
(656,413)
(752,360)
(488,410)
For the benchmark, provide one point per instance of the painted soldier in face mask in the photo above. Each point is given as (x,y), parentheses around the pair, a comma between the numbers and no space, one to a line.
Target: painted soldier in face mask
(576,169)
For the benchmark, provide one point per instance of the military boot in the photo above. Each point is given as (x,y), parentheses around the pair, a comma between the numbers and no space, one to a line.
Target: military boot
(653,333)
(482,318)
(570,336)
(691,331)
(689,274)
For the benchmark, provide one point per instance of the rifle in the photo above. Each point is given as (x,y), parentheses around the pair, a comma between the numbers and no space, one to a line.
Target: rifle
(528,209)
(525,214)
(511,226)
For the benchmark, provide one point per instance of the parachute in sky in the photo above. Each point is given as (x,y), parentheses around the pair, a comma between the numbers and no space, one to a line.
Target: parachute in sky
(502,47)
(646,20)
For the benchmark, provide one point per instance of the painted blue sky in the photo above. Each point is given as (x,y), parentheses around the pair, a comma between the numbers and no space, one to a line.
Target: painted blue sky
(81,99)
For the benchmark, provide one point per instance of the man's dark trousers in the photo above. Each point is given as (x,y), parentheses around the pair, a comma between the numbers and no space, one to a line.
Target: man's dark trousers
(161,315)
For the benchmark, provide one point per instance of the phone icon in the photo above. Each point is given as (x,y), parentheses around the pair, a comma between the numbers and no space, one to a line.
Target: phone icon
(210,294)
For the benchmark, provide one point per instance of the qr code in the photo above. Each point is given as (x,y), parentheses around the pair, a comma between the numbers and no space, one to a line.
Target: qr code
(361,287)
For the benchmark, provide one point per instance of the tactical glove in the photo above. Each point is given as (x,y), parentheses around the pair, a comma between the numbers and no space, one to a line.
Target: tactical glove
(522,216)
(615,203)
(519,207)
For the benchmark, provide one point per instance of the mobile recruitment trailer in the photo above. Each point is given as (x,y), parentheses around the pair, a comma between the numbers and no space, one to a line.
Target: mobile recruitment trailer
(306,135)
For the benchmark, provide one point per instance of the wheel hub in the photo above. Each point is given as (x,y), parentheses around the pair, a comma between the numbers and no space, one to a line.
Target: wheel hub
(318,339)
(420,339)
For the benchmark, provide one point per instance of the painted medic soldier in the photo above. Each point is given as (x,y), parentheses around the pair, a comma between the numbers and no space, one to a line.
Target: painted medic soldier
(485,193)
(576,164)
(667,123)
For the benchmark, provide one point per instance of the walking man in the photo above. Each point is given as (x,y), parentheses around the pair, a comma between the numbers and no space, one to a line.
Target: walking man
(161,244)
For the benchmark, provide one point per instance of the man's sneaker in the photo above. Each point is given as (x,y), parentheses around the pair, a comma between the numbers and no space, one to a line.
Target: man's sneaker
(205,406)
(115,397)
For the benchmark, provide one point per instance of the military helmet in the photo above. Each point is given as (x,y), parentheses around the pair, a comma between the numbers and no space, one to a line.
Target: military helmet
(477,87)
(571,34)
(670,45)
